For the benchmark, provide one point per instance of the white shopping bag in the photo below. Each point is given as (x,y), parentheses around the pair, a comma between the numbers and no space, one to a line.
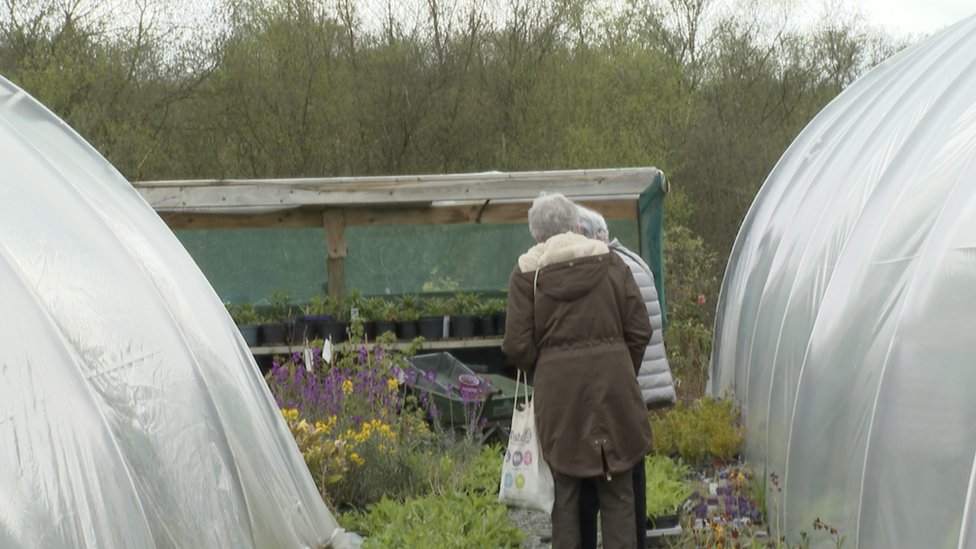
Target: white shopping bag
(526,478)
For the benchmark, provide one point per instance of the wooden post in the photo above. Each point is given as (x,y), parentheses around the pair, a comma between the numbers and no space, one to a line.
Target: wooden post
(334,222)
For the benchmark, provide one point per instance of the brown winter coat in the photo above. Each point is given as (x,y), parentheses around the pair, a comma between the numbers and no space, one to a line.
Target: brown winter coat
(582,336)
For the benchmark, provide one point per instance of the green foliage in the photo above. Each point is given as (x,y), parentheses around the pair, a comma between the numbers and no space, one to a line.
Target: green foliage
(463,304)
(689,345)
(665,484)
(281,304)
(498,304)
(410,306)
(388,310)
(243,313)
(434,306)
(485,469)
(320,305)
(460,520)
(709,428)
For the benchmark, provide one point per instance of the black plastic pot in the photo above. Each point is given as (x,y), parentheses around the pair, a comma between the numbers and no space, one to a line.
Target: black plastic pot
(383,326)
(304,330)
(332,329)
(463,326)
(663,521)
(409,329)
(486,325)
(251,334)
(500,322)
(288,323)
(431,327)
(272,334)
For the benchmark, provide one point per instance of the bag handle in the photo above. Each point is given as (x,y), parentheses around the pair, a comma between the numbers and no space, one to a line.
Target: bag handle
(518,381)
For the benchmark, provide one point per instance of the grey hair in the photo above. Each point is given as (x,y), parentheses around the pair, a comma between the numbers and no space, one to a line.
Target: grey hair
(552,214)
(592,225)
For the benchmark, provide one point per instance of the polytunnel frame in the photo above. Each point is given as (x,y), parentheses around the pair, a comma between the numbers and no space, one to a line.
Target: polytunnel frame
(751,263)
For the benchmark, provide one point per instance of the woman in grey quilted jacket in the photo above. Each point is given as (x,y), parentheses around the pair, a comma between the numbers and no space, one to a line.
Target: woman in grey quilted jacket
(654,377)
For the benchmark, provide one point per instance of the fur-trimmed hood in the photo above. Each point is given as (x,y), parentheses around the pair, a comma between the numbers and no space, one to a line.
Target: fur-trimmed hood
(559,248)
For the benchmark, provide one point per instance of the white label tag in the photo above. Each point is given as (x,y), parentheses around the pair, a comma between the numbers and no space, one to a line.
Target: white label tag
(327,351)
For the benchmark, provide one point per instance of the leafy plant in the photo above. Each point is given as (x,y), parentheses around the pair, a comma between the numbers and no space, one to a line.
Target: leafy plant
(245,313)
(320,305)
(462,304)
(324,456)
(281,304)
(498,304)
(709,428)
(434,306)
(388,310)
(410,306)
(483,309)
(665,484)
(460,520)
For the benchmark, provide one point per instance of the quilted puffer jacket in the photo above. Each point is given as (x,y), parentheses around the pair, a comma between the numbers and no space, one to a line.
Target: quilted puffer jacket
(654,377)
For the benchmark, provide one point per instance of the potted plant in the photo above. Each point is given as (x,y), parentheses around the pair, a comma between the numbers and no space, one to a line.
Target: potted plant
(486,318)
(410,306)
(432,315)
(461,309)
(666,490)
(359,308)
(499,306)
(284,312)
(387,315)
(246,318)
(272,331)
(329,321)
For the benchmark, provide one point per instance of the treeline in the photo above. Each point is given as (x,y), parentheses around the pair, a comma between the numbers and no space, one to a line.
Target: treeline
(304,88)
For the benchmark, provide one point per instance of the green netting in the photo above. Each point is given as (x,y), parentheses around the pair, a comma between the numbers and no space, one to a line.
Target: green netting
(250,264)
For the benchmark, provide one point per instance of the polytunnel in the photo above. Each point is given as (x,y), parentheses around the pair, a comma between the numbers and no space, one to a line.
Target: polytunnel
(131,413)
(845,325)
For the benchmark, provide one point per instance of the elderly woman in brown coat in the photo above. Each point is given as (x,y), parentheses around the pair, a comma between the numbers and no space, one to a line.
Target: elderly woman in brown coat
(577,323)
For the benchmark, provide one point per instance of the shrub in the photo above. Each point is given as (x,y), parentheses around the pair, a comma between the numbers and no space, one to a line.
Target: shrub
(459,520)
(709,428)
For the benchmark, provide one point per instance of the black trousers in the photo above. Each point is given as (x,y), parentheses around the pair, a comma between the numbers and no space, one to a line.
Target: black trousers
(589,506)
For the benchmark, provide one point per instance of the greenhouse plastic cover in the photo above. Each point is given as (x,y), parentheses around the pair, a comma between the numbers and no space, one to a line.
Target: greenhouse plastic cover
(846,324)
(131,412)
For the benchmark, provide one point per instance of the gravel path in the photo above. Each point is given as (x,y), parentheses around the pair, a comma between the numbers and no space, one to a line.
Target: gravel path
(536,524)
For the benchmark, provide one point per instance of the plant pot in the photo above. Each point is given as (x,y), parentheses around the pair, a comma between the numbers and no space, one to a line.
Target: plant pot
(463,326)
(431,327)
(288,323)
(500,322)
(251,333)
(333,330)
(304,330)
(272,334)
(409,329)
(663,521)
(383,326)
(486,325)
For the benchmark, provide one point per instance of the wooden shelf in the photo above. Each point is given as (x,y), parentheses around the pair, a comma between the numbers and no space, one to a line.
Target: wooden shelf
(437,345)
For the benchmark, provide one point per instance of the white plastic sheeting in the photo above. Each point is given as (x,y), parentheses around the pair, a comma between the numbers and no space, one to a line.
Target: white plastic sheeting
(846,323)
(131,412)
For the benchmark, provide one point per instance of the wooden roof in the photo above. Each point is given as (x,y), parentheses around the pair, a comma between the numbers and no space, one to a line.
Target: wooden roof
(489,197)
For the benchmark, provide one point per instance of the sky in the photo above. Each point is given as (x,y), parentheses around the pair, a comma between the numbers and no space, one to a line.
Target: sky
(915,16)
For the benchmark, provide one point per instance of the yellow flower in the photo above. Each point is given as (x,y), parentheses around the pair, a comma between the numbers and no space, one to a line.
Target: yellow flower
(347,387)
(392,384)
(290,413)
(381,447)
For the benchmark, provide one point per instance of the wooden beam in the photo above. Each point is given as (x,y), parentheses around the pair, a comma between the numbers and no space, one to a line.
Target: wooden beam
(362,191)
(493,212)
(334,223)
